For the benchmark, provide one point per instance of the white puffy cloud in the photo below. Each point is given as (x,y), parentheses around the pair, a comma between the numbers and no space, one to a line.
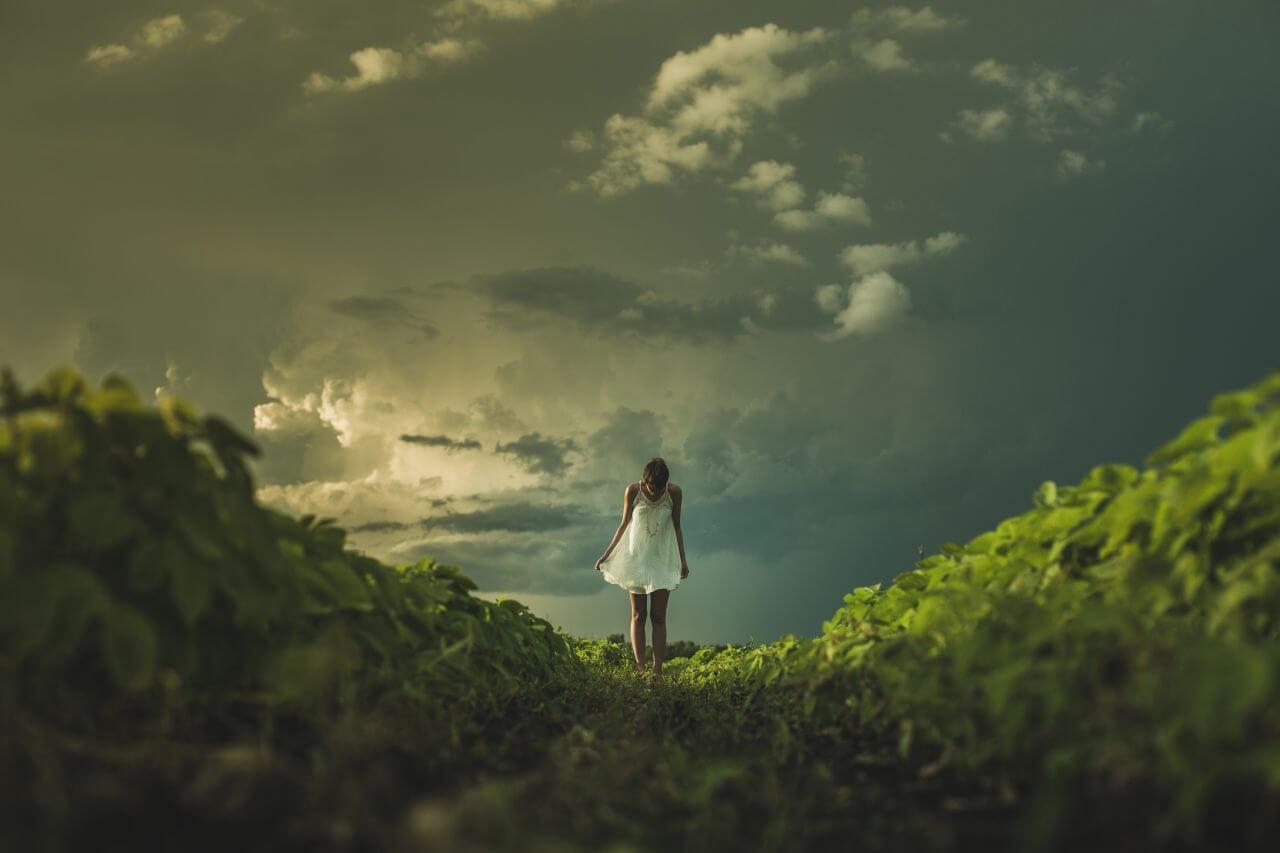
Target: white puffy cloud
(153,35)
(982,125)
(106,55)
(872,30)
(158,33)
(870,304)
(1044,98)
(221,23)
(883,55)
(855,171)
(829,209)
(375,65)
(768,253)
(505,9)
(1072,164)
(703,103)
(772,181)
(867,258)
(902,19)
(581,140)
(161,31)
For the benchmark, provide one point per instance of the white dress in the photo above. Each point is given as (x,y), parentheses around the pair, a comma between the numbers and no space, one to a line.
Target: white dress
(647,556)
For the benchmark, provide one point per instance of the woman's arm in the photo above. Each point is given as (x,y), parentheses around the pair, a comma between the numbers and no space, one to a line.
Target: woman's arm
(677,500)
(626,519)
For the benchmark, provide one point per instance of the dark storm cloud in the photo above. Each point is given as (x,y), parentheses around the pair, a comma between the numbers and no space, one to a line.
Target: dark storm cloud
(601,303)
(521,517)
(379,527)
(563,566)
(450,444)
(382,311)
(539,455)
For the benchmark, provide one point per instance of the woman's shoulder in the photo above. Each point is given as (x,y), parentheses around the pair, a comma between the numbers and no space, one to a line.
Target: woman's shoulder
(674,489)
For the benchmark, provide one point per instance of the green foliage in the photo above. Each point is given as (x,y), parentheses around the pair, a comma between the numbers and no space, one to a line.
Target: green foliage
(1101,670)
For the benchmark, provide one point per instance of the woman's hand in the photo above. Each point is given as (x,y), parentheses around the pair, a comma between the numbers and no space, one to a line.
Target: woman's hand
(599,560)
(684,571)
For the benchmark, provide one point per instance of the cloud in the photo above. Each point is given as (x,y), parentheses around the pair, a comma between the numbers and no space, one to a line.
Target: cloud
(153,35)
(378,527)
(519,517)
(539,455)
(884,53)
(161,31)
(855,171)
(581,140)
(1047,103)
(772,181)
(602,304)
(384,311)
(779,253)
(869,305)
(377,65)
(502,9)
(902,19)
(829,209)
(444,441)
(990,125)
(1072,164)
(1146,118)
(702,104)
(221,24)
(106,55)
(867,258)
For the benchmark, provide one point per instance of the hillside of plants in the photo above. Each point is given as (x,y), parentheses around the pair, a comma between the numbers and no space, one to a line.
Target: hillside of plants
(182,668)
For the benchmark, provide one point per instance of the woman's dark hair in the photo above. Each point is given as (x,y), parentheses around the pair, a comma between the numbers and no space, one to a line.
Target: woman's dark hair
(656,473)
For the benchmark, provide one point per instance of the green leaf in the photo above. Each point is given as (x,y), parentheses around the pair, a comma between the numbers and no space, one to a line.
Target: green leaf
(192,588)
(129,647)
(1199,434)
(1046,495)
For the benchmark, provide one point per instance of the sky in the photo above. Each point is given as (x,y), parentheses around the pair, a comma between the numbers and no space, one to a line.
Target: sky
(864,275)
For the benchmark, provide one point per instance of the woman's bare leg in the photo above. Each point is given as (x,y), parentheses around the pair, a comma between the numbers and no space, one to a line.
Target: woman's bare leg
(658,616)
(639,611)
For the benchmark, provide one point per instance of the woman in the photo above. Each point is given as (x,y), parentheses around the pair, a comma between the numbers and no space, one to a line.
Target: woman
(651,561)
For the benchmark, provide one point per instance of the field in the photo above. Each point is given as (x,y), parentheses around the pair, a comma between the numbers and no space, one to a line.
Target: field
(182,668)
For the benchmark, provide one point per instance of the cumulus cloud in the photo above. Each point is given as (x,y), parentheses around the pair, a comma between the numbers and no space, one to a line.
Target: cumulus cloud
(873,30)
(1073,164)
(883,55)
(868,258)
(990,125)
(161,31)
(703,103)
(581,140)
(1047,103)
(855,171)
(902,19)
(772,182)
(829,209)
(153,35)
(502,9)
(221,23)
(1144,119)
(762,253)
(106,55)
(376,65)
(869,305)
